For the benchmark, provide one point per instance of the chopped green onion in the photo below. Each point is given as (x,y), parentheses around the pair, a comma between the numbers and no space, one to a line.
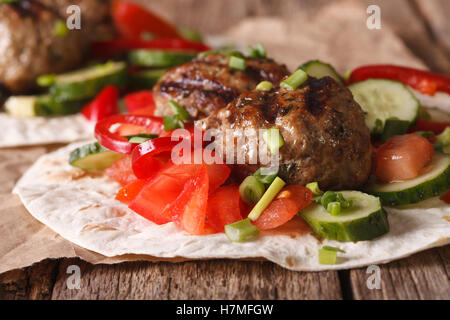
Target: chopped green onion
(138,139)
(172,122)
(46,80)
(179,110)
(314,187)
(268,177)
(274,139)
(241,230)
(235,53)
(345,204)
(295,80)
(328,255)
(264,86)
(334,208)
(251,190)
(60,29)
(327,197)
(267,198)
(237,63)
(257,52)
(378,127)
(394,127)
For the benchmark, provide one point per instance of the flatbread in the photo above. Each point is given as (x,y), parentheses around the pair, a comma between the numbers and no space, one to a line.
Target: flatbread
(42,130)
(80,206)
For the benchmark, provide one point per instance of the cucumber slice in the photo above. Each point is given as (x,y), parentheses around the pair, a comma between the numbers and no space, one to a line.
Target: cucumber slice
(385,99)
(86,83)
(319,69)
(159,58)
(93,156)
(48,106)
(22,106)
(365,220)
(45,105)
(146,79)
(430,184)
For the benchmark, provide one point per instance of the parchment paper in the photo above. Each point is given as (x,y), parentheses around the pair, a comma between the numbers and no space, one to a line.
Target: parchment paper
(336,34)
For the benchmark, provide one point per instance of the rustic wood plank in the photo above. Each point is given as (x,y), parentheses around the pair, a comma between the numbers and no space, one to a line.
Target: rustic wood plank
(422,276)
(216,279)
(35,282)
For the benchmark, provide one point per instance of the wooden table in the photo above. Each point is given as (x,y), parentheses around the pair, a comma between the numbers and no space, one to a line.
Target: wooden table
(424,27)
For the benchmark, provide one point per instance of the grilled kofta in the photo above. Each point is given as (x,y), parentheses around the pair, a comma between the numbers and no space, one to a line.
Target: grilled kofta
(208,83)
(30,47)
(326,138)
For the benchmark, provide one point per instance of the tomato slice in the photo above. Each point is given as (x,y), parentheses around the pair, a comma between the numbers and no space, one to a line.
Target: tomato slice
(155,197)
(188,211)
(139,100)
(103,105)
(284,207)
(402,157)
(223,207)
(121,171)
(132,20)
(113,141)
(130,191)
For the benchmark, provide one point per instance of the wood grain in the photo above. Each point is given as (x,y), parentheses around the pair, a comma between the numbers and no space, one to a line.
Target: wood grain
(422,276)
(218,279)
(423,26)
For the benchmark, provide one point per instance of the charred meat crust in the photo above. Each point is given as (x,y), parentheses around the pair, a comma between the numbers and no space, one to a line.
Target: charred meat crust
(326,139)
(207,84)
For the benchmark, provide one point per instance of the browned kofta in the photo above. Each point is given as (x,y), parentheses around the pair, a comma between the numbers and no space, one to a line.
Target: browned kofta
(30,46)
(208,83)
(326,138)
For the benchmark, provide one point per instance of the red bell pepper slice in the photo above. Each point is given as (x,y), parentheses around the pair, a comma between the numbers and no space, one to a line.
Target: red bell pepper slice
(121,171)
(140,100)
(446,197)
(113,141)
(131,20)
(103,105)
(110,48)
(188,211)
(426,125)
(425,81)
(223,207)
(145,160)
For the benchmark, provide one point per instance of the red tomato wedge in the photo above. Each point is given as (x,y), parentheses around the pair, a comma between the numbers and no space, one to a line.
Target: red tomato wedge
(284,207)
(131,20)
(223,207)
(139,100)
(155,197)
(103,105)
(188,211)
(402,157)
(130,191)
(121,171)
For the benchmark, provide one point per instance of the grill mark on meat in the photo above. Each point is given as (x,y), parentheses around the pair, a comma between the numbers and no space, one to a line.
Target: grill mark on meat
(317,95)
(185,88)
